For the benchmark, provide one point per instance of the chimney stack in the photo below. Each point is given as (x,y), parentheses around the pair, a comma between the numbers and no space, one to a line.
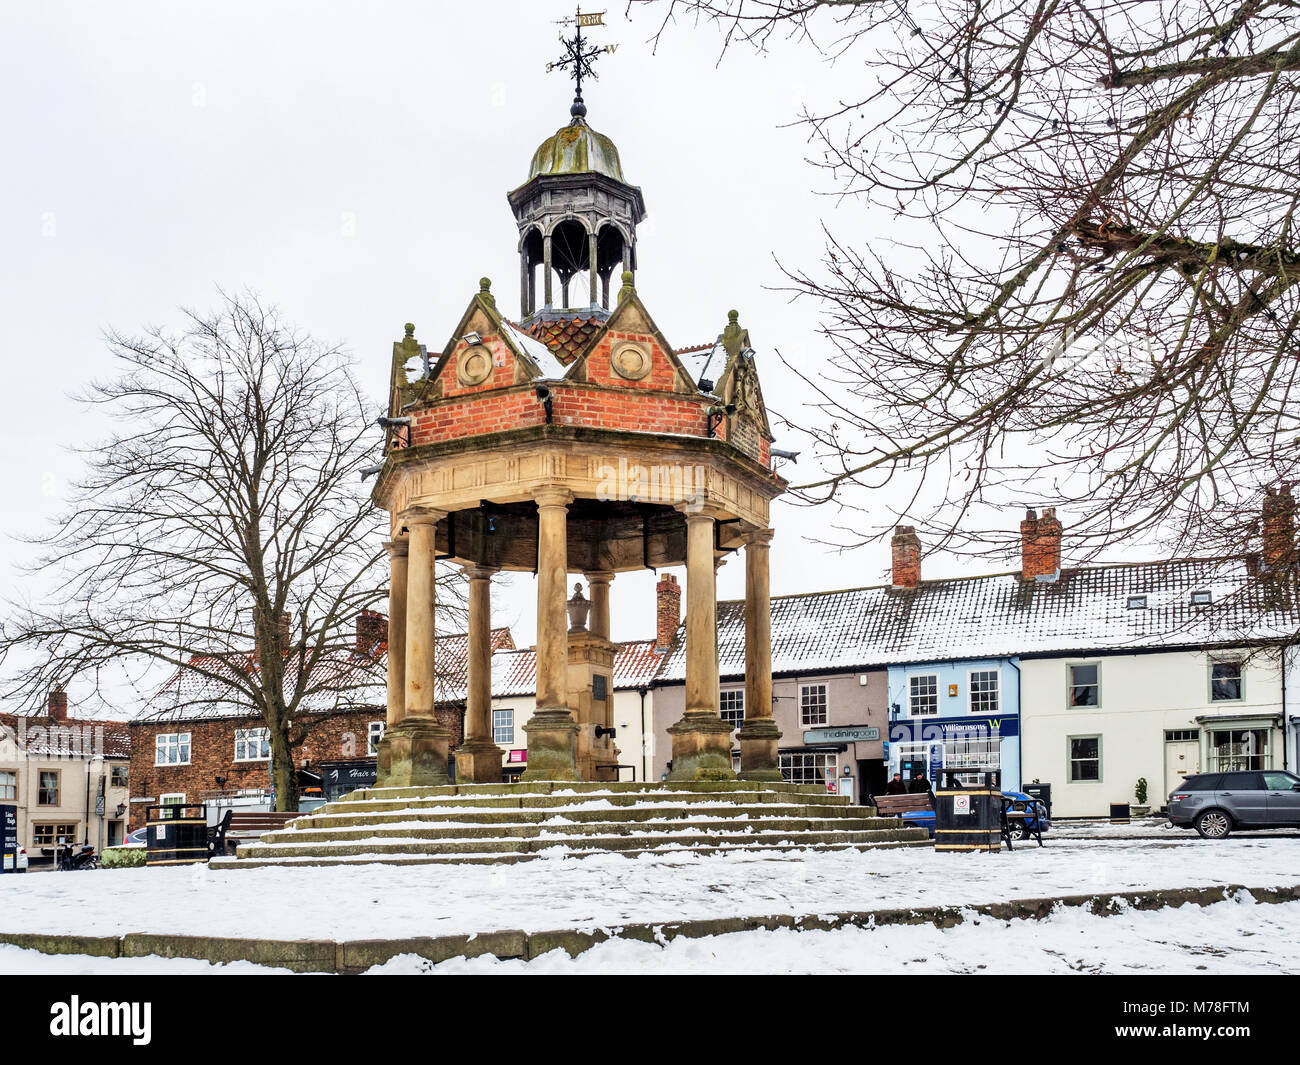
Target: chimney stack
(58,704)
(1040,544)
(906,549)
(372,630)
(1277,528)
(283,631)
(668,610)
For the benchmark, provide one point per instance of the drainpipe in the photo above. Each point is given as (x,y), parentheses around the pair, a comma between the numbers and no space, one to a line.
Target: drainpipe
(1020,727)
(1286,717)
(645,773)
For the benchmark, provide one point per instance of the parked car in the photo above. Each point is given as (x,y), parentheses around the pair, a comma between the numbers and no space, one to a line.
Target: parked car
(1037,821)
(1216,803)
(138,838)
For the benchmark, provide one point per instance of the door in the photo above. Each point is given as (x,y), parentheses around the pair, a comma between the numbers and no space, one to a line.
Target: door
(1283,800)
(1182,759)
(1243,796)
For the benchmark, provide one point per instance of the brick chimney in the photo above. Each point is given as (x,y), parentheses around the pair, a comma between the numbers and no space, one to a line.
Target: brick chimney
(372,630)
(58,704)
(1040,544)
(906,549)
(1277,528)
(668,610)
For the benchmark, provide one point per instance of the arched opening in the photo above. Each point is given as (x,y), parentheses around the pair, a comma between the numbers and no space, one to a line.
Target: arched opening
(570,255)
(612,253)
(532,254)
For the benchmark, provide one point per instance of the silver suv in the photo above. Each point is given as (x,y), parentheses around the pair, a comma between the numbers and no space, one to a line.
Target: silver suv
(1216,803)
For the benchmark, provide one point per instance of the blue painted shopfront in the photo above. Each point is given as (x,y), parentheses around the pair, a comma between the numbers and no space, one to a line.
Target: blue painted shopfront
(963,712)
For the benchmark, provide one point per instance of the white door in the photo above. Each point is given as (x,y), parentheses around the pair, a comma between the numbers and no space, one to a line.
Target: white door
(1182,759)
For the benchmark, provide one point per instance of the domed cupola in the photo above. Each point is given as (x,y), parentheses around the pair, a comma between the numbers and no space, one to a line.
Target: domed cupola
(576,215)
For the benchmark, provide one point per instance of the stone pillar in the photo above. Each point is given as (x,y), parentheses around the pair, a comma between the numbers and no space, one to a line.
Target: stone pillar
(591,262)
(758,735)
(478,759)
(416,753)
(598,585)
(546,270)
(396,632)
(525,306)
(701,739)
(552,732)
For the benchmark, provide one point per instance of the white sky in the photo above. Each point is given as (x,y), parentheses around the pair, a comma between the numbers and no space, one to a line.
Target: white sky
(351,162)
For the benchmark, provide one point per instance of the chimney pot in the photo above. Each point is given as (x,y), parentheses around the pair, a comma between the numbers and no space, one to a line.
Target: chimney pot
(1040,544)
(668,610)
(905,547)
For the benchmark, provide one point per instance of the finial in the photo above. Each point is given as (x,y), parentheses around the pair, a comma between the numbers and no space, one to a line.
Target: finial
(628,288)
(410,329)
(485,290)
(408,342)
(733,317)
(579,109)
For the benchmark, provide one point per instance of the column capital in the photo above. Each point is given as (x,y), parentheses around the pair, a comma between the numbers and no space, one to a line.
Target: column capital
(476,572)
(699,510)
(598,576)
(421,516)
(552,496)
(397,548)
(761,537)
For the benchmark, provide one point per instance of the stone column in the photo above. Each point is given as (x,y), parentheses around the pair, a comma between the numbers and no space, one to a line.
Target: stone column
(396,632)
(701,739)
(758,735)
(591,262)
(478,759)
(417,747)
(546,269)
(552,732)
(525,307)
(598,585)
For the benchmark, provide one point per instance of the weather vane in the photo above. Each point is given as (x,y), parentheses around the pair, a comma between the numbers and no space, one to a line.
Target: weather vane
(579,55)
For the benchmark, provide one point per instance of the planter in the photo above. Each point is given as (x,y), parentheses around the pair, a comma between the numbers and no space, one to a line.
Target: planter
(1140,811)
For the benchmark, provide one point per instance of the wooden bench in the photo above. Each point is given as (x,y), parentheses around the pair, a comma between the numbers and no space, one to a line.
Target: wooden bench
(242,826)
(897,805)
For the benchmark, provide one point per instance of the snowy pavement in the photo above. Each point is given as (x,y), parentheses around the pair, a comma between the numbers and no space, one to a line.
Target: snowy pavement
(1227,938)
(607,890)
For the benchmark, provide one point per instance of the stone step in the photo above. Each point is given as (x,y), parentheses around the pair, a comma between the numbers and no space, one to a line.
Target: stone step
(460,830)
(348,805)
(699,787)
(641,841)
(362,814)
(789,851)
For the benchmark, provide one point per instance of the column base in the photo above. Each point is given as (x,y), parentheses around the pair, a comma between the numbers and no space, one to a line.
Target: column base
(701,748)
(552,745)
(478,762)
(414,755)
(759,759)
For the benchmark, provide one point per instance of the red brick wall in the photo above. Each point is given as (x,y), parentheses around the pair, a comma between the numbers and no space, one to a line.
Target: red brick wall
(212,754)
(661,376)
(906,550)
(668,612)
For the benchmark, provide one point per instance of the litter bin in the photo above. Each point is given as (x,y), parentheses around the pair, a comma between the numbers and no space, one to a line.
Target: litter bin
(968,817)
(176,834)
(1119,813)
(1041,792)
(8,839)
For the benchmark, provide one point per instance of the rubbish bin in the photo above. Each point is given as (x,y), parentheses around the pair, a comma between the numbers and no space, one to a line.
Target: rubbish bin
(8,839)
(177,834)
(968,817)
(1041,792)
(1119,812)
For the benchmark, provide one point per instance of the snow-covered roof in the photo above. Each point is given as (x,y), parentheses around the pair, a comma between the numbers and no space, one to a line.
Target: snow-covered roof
(552,368)
(1084,610)
(515,672)
(73,737)
(706,361)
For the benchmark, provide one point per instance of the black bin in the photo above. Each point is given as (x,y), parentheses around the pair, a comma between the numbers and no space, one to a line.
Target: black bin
(8,839)
(968,817)
(1119,813)
(1041,792)
(177,834)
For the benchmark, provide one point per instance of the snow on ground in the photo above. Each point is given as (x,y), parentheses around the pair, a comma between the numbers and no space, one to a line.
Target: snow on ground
(1236,937)
(604,890)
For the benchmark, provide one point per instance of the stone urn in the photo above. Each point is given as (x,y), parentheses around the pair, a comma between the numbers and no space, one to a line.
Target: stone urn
(579,607)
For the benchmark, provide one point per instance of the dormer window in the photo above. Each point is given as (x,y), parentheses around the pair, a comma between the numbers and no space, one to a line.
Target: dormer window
(1202,598)
(1137,602)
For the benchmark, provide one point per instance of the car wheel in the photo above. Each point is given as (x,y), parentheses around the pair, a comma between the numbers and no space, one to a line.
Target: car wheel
(1213,824)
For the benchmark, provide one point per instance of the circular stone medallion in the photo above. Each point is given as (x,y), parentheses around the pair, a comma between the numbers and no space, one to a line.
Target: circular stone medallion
(475,365)
(631,362)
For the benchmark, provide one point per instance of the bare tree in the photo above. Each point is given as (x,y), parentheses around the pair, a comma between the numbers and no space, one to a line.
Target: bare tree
(1089,291)
(223,535)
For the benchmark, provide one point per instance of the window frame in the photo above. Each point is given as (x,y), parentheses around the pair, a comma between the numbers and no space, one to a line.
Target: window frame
(996,673)
(119,776)
(41,788)
(186,743)
(499,728)
(806,762)
(1070,758)
(1070,685)
(739,693)
(53,841)
(911,695)
(10,773)
(168,798)
(252,735)
(374,733)
(1225,660)
(804,691)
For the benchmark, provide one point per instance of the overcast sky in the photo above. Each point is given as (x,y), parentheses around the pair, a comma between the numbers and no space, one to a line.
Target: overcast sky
(350,161)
